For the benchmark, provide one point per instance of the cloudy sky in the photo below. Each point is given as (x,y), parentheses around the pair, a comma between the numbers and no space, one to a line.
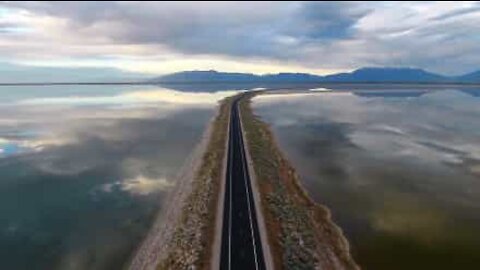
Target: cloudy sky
(258,37)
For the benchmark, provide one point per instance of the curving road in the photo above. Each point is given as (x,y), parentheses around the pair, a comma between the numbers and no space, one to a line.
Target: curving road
(241,247)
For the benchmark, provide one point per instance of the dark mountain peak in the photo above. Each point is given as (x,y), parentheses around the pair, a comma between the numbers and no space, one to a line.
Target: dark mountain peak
(470,77)
(392,70)
(388,69)
(386,74)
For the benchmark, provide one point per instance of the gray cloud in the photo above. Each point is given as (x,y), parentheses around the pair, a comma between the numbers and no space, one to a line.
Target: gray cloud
(330,20)
(333,35)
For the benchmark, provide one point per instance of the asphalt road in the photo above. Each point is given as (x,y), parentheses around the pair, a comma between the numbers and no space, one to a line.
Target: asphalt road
(241,247)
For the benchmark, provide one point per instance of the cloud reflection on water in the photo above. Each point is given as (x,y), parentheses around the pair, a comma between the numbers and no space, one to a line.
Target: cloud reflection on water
(393,126)
(82,176)
(400,173)
(57,120)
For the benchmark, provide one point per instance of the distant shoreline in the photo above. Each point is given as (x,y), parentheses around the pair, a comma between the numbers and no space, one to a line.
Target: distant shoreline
(73,83)
(256,83)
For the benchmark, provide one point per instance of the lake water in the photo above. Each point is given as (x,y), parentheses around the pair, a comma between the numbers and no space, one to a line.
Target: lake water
(400,170)
(84,169)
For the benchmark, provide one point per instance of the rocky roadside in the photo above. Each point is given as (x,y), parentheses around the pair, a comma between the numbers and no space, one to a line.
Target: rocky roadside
(182,237)
(300,233)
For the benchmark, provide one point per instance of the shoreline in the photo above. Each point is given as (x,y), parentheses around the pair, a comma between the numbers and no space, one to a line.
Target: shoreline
(301,231)
(217,237)
(149,252)
(259,83)
(181,234)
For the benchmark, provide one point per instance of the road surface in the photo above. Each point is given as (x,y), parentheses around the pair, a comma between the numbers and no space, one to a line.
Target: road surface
(241,247)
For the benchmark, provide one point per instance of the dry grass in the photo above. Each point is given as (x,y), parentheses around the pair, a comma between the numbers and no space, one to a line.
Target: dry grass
(300,231)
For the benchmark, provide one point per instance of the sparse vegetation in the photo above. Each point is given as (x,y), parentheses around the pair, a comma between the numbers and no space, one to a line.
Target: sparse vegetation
(190,245)
(301,233)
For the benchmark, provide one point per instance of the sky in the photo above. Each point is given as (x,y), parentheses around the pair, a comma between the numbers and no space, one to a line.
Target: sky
(156,38)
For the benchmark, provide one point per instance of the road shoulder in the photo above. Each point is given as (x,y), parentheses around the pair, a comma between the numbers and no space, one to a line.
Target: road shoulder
(217,241)
(267,253)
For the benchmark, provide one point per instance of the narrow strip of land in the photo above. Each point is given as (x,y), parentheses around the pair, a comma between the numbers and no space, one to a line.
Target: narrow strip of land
(301,233)
(241,247)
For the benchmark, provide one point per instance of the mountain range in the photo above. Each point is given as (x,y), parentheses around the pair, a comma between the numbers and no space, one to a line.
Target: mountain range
(362,75)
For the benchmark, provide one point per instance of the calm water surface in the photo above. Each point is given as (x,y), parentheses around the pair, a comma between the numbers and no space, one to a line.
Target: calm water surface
(84,169)
(400,170)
